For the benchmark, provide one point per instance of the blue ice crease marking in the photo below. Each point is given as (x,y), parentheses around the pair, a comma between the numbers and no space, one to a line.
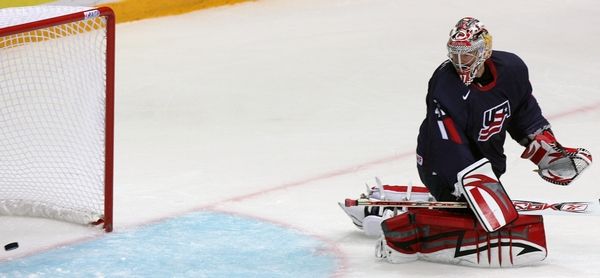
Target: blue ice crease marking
(202,244)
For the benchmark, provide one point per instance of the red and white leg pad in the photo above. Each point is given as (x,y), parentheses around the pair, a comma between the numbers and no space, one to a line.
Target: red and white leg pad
(457,238)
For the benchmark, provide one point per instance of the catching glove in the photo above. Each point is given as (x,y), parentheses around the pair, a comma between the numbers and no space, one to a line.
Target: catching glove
(556,164)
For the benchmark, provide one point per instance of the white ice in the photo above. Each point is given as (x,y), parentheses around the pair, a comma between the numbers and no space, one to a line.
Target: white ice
(278,109)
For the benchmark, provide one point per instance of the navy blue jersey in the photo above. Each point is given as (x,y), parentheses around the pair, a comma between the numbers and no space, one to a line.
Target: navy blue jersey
(466,123)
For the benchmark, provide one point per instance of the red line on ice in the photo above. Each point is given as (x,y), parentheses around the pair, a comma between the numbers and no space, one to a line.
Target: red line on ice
(384,160)
(583,109)
(324,176)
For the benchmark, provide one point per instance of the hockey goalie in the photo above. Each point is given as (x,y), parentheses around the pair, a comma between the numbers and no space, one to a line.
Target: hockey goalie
(474,99)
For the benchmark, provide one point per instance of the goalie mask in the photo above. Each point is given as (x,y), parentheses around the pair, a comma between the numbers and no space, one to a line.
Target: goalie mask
(469,46)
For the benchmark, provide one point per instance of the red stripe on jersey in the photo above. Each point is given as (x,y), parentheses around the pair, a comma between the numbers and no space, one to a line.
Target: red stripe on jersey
(452,131)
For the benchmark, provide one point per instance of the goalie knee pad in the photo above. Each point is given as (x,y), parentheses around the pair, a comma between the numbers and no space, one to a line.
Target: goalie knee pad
(456,238)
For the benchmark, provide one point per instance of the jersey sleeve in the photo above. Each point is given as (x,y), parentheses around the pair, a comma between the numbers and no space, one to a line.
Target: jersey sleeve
(528,114)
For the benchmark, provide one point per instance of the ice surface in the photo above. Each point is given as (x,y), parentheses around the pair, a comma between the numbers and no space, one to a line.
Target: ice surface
(202,244)
(280,109)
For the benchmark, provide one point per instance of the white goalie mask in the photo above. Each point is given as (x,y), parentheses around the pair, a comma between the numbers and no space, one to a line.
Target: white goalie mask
(469,46)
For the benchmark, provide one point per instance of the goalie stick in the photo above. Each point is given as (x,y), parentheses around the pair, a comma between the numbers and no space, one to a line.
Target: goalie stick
(523,207)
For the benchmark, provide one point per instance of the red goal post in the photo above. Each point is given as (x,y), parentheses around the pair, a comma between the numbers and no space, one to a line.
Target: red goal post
(57,113)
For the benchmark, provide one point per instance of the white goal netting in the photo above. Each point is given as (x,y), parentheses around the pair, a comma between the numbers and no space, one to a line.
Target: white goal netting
(52,116)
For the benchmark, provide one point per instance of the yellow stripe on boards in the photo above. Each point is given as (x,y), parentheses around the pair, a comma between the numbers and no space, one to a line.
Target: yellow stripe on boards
(125,10)
(130,10)
(21,3)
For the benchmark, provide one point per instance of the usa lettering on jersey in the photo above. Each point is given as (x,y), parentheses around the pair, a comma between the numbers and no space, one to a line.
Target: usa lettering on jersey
(493,120)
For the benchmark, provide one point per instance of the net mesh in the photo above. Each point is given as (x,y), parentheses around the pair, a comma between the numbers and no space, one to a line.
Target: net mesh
(52,117)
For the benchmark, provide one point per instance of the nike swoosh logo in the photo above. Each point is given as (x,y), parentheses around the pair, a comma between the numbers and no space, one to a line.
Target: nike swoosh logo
(466,95)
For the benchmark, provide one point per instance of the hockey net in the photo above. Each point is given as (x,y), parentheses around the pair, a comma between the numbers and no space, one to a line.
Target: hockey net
(56,113)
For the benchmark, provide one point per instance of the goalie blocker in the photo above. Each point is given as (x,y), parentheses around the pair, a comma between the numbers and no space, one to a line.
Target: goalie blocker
(457,238)
(486,196)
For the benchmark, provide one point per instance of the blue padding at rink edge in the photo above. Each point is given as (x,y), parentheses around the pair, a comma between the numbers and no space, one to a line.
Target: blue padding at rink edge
(201,244)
